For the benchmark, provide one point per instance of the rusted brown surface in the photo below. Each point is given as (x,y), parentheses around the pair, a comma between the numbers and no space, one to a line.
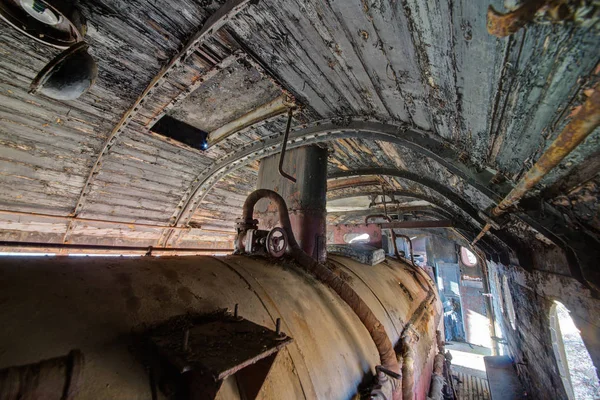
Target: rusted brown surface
(352,182)
(50,148)
(205,350)
(95,304)
(501,25)
(321,272)
(408,362)
(584,120)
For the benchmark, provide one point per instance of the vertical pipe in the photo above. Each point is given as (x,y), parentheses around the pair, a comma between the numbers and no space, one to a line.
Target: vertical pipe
(408,363)
(306,198)
(437,380)
(410,246)
(393,234)
(321,272)
(383,200)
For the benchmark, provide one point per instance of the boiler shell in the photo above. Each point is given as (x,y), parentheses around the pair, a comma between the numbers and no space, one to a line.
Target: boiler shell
(50,305)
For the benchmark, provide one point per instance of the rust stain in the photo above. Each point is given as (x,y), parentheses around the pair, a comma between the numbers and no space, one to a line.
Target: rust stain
(501,25)
(585,119)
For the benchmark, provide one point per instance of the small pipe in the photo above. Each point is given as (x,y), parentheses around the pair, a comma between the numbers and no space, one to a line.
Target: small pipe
(373,216)
(383,200)
(410,246)
(415,224)
(284,146)
(437,380)
(61,246)
(575,132)
(382,341)
(481,234)
(408,363)
(79,219)
(388,219)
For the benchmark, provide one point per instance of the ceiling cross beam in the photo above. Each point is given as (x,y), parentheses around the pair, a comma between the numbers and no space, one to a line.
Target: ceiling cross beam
(467,227)
(217,20)
(426,144)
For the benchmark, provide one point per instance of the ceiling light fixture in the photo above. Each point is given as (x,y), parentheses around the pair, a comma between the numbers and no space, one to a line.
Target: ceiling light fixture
(59,24)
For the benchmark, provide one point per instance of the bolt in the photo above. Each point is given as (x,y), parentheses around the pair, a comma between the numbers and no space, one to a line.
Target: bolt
(235,311)
(186,339)
(278,327)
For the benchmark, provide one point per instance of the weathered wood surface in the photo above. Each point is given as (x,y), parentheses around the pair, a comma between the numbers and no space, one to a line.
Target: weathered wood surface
(430,65)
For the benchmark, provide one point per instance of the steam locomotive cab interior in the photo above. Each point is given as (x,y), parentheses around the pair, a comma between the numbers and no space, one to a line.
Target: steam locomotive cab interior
(299,199)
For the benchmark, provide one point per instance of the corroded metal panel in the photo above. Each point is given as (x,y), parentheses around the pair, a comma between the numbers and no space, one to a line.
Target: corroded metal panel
(96,305)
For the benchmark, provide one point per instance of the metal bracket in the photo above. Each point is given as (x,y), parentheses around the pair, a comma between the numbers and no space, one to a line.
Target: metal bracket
(494,223)
(191,356)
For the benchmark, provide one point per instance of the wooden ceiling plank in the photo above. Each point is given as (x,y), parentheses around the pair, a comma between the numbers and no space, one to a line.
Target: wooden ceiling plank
(214,22)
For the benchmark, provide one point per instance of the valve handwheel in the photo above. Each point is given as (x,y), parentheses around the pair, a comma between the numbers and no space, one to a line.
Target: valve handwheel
(277,242)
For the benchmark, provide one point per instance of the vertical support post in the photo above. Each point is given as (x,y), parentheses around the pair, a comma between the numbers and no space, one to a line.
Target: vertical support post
(305,198)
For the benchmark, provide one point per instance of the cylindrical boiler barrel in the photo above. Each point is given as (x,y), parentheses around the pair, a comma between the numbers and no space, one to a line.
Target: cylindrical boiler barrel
(51,305)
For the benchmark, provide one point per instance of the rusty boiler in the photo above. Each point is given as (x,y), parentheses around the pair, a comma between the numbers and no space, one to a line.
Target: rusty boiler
(98,304)
(260,324)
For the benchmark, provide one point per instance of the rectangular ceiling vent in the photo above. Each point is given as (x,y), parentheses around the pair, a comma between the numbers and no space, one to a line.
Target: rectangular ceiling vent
(182,132)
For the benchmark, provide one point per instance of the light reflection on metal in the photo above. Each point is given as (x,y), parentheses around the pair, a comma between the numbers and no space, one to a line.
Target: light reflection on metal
(107,248)
(55,23)
(68,75)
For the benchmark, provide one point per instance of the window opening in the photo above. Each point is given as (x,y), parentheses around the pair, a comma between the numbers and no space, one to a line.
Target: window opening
(575,365)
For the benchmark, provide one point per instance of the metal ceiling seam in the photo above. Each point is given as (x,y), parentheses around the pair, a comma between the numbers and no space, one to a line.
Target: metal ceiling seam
(464,207)
(452,197)
(428,144)
(411,176)
(467,226)
(217,20)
